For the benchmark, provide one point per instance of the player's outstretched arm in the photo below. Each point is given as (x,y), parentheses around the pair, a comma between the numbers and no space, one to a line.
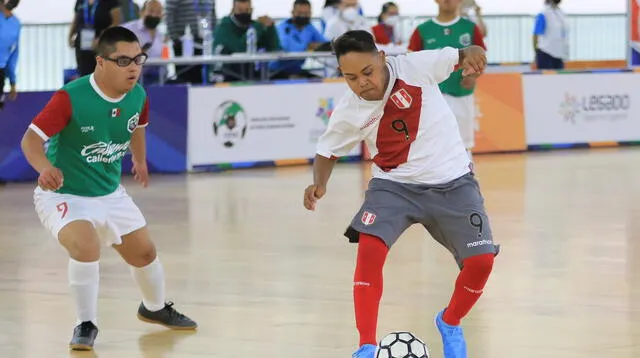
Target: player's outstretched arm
(33,148)
(322,168)
(473,60)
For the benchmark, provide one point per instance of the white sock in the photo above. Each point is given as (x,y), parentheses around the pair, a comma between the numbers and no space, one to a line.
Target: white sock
(84,280)
(151,281)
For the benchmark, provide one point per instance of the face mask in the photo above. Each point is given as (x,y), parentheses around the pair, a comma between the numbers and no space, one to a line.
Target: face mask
(350,14)
(301,20)
(243,18)
(151,22)
(392,20)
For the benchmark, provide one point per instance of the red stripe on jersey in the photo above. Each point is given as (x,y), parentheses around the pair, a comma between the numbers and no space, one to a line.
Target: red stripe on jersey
(398,126)
(144,117)
(55,115)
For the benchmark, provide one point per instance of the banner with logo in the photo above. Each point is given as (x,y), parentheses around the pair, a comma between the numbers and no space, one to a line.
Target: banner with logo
(634,32)
(259,123)
(582,108)
(499,113)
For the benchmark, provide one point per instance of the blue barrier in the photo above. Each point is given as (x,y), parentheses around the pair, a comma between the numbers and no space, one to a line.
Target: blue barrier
(166,133)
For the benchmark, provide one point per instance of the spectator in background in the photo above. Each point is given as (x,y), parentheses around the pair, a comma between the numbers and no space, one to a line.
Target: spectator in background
(297,34)
(10,28)
(129,9)
(550,37)
(151,39)
(191,13)
(331,9)
(91,18)
(385,32)
(348,18)
(472,11)
(230,35)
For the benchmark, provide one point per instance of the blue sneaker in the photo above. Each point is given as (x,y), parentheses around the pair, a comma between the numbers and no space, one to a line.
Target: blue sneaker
(453,341)
(366,351)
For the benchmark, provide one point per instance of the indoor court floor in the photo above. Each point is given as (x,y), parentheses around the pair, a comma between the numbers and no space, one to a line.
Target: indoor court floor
(265,278)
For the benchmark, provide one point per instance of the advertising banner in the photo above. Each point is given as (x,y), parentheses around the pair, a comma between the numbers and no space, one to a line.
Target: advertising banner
(582,108)
(499,113)
(259,123)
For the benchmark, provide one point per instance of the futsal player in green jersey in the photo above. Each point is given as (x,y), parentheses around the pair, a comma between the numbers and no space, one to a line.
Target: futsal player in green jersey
(90,124)
(448,29)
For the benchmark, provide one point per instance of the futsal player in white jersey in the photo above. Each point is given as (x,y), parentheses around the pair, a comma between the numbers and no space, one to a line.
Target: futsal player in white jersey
(421,174)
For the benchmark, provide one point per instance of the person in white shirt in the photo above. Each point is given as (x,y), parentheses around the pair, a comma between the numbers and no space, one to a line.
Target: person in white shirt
(421,174)
(551,37)
(348,18)
(151,39)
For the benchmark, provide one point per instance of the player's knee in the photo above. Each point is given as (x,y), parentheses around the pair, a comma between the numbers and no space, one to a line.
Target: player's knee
(81,241)
(480,265)
(147,255)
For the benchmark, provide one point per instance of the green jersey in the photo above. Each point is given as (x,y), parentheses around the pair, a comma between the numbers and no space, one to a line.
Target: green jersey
(89,133)
(459,33)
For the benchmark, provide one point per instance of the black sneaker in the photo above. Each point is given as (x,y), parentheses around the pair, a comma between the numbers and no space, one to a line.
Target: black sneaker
(167,317)
(83,336)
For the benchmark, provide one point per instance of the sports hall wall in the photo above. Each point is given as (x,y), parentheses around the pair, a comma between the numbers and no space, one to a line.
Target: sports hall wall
(247,125)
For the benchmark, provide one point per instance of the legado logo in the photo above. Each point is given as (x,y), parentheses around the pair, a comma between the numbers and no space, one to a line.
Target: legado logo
(593,107)
(102,152)
(230,123)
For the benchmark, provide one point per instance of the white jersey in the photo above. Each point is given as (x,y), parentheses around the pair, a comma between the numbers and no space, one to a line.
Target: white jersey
(411,133)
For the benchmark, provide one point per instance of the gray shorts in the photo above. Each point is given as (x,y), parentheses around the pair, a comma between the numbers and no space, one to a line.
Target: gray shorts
(453,213)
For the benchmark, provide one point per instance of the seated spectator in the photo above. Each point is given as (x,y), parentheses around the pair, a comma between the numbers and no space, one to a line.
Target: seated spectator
(297,34)
(349,18)
(331,9)
(151,39)
(230,35)
(385,32)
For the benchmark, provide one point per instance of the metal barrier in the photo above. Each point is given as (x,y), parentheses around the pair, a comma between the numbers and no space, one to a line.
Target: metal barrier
(45,53)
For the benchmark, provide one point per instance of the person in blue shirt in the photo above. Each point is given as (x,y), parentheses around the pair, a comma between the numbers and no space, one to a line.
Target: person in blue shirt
(9,44)
(296,34)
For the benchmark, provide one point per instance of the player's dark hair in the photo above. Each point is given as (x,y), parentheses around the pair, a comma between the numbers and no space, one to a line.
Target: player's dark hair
(353,41)
(301,2)
(242,1)
(111,36)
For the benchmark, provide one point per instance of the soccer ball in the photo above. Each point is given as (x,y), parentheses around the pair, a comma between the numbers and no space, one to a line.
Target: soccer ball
(401,345)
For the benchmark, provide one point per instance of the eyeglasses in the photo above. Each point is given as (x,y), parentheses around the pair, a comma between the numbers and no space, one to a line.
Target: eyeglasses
(124,61)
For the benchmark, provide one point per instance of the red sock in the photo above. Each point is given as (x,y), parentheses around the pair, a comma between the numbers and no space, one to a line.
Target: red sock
(469,286)
(367,286)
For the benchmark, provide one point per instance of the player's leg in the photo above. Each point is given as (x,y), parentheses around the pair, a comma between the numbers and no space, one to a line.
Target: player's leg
(137,250)
(384,215)
(70,220)
(462,226)
(464,110)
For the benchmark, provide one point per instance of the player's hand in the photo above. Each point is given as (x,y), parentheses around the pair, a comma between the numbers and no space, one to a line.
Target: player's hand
(468,82)
(50,179)
(474,60)
(141,173)
(311,195)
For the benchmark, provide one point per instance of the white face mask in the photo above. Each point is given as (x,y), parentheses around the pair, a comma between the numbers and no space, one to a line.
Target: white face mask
(392,20)
(350,14)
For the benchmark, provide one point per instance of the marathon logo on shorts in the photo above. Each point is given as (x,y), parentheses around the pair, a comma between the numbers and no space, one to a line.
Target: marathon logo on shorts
(368,218)
(402,99)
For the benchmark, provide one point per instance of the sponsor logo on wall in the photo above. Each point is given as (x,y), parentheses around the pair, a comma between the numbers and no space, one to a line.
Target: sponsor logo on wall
(595,107)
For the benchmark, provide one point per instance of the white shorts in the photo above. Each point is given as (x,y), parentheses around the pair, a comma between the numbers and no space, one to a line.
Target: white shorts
(464,108)
(112,215)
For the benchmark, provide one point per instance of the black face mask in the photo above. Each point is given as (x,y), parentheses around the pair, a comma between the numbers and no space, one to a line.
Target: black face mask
(243,18)
(11,4)
(151,22)
(301,20)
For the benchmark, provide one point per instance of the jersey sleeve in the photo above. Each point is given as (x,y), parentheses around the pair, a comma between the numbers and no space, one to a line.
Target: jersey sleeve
(53,117)
(429,67)
(144,116)
(415,42)
(478,39)
(339,138)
